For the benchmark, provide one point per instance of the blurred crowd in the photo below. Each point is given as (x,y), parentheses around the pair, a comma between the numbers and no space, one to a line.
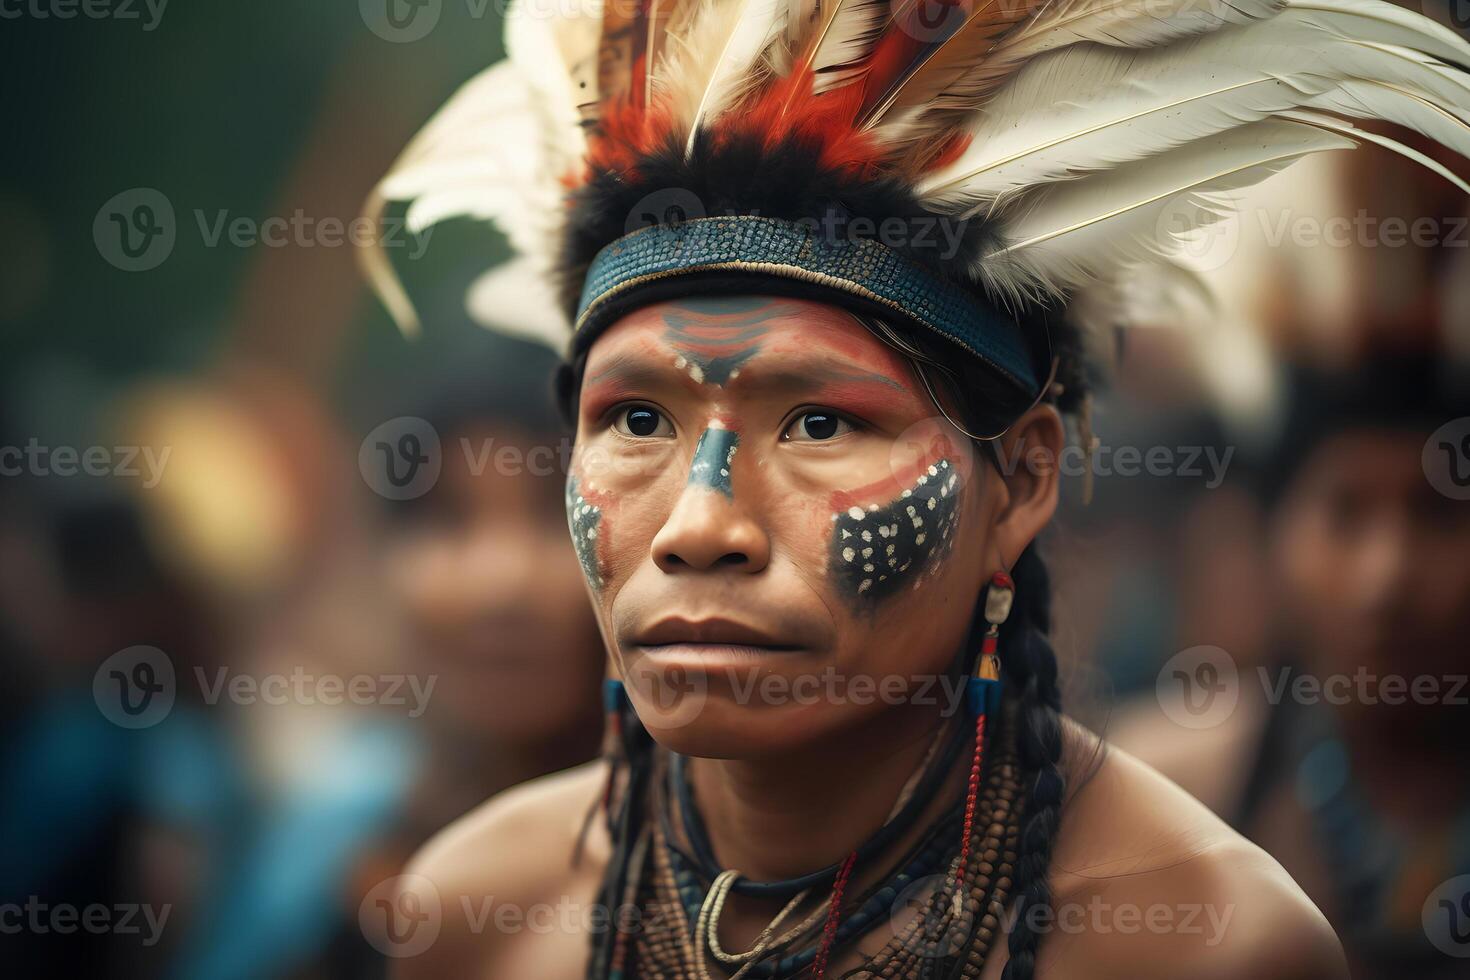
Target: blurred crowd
(282,593)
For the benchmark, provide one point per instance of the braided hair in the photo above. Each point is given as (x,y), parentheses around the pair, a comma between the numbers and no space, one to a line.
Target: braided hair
(1027,658)
(1030,668)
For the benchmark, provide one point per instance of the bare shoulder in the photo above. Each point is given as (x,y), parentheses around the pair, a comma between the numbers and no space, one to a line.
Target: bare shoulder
(1147,882)
(503,882)
(1211,763)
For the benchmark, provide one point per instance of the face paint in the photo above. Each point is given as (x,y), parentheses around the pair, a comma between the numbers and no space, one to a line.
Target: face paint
(712,457)
(583,518)
(879,548)
(714,337)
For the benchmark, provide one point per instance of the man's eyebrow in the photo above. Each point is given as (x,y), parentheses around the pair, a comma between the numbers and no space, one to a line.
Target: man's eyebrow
(807,373)
(633,369)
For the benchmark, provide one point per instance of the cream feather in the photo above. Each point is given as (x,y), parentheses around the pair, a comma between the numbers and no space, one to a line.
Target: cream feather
(1335,125)
(842,39)
(1088,108)
(518,298)
(1391,24)
(1116,23)
(556,42)
(1081,230)
(482,155)
(719,60)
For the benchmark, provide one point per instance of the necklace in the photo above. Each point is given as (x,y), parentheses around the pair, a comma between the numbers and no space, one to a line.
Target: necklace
(944,917)
(701,854)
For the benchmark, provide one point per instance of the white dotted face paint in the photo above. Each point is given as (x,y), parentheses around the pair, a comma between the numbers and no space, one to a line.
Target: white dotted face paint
(880,549)
(583,518)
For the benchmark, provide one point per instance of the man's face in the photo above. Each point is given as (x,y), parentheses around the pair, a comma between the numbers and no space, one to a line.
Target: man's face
(492,595)
(780,536)
(1373,561)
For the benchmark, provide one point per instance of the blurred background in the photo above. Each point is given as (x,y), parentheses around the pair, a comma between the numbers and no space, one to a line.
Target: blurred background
(283,592)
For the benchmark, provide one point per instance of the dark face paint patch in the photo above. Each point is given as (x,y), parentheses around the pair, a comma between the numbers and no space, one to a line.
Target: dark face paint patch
(715,336)
(879,549)
(712,457)
(583,518)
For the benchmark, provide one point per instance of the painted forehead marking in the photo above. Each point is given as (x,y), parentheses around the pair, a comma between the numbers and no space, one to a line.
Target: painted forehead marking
(715,336)
(879,548)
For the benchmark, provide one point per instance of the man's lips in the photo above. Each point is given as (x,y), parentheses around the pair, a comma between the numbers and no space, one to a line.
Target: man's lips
(710,633)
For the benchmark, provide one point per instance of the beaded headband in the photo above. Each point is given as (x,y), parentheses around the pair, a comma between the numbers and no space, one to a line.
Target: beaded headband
(746,252)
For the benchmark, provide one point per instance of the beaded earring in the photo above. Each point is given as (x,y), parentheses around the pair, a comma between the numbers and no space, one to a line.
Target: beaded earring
(983,691)
(983,688)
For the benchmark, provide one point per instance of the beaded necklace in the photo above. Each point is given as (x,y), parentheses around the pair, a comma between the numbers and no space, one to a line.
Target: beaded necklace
(957,904)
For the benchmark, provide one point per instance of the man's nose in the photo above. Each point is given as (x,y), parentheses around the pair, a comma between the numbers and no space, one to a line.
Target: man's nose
(712,525)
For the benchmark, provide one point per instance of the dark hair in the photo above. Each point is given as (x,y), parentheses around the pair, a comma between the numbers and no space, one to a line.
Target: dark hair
(1414,392)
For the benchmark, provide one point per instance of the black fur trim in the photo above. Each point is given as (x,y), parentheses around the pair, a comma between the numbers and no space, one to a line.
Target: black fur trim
(739,175)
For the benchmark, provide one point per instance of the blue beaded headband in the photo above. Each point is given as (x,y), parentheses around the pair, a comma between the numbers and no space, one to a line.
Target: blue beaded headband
(723,254)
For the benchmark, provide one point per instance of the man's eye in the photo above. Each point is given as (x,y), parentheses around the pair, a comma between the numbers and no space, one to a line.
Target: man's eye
(817,427)
(643,422)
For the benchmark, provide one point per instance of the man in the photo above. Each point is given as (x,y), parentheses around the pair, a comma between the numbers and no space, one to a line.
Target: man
(807,260)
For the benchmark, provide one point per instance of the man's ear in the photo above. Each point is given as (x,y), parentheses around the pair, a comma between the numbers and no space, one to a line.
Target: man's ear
(1028,458)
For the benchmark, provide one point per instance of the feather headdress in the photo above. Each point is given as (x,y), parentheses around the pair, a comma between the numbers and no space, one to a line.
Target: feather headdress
(1066,140)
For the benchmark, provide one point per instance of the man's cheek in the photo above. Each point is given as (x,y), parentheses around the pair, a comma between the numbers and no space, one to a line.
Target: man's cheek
(879,549)
(591,525)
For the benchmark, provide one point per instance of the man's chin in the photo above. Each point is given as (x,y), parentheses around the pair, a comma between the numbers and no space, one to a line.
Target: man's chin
(722,727)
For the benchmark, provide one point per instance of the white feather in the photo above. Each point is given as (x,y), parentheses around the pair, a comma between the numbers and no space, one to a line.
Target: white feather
(1127,23)
(720,59)
(517,298)
(1088,108)
(1336,125)
(1083,229)
(846,38)
(555,43)
(1388,23)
